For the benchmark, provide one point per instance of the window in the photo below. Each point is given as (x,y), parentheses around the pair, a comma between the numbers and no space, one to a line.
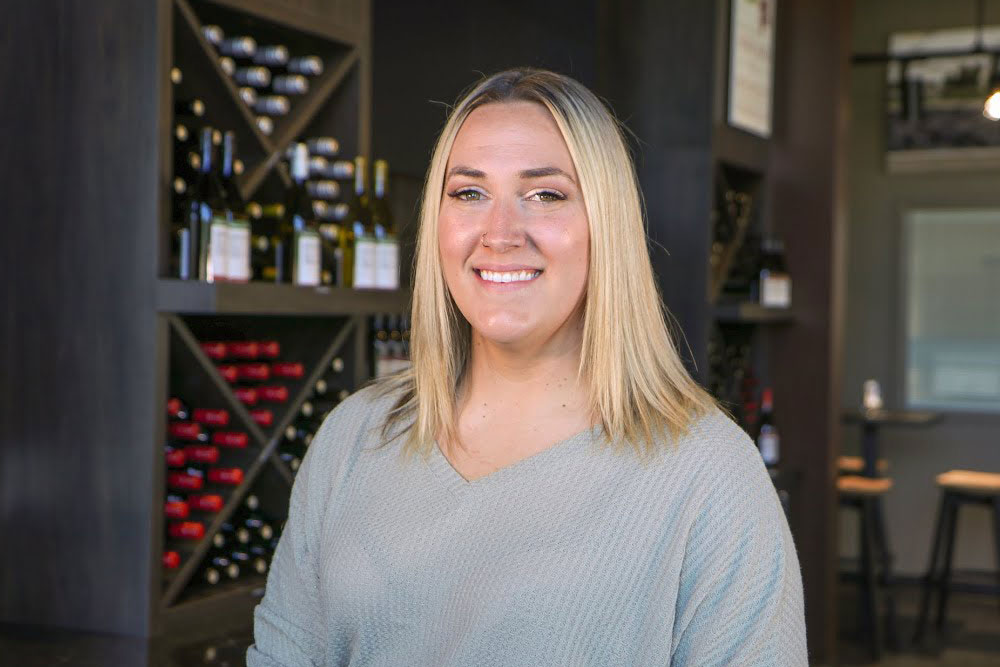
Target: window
(952,317)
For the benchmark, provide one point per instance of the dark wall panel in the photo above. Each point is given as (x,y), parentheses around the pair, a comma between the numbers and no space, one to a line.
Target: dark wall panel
(79,182)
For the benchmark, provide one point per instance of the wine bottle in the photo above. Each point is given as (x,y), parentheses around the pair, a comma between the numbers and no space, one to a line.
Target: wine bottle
(176,409)
(207,502)
(171,560)
(188,479)
(772,286)
(270,349)
(210,417)
(325,189)
(324,146)
(250,561)
(201,454)
(263,417)
(234,439)
(176,76)
(176,508)
(265,125)
(253,372)
(229,372)
(186,530)
(293,370)
(248,95)
(306,65)
(301,242)
(213,34)
(235,533)
(386,243)
(274,55)
(272,105)
(768,441)
(237,224)
(239,48)
(362,233)
(225,476)
(215,350)
(192,108)
(274,394)
(223,565)
(380,347)
(208,230)
(339,170)
(253,76)
(290,84)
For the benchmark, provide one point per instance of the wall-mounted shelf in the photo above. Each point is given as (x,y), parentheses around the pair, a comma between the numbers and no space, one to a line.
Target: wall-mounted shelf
(200,298)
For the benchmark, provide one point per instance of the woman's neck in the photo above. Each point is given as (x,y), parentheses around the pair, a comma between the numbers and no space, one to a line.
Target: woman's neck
(528,380)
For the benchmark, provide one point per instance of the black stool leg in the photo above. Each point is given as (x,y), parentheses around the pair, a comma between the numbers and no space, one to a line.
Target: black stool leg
(891,628)
(870,589)
(930,578)
(945,581)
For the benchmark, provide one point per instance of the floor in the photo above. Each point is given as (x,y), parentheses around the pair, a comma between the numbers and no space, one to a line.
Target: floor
(973,632)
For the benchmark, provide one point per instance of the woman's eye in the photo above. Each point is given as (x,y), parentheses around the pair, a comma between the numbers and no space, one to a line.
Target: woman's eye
(466,195)
(547,195)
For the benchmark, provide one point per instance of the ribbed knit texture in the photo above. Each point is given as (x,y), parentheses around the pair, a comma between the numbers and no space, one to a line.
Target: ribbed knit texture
(577,555)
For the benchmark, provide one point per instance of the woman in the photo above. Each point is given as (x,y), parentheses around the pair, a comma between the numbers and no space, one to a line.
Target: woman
(577,499)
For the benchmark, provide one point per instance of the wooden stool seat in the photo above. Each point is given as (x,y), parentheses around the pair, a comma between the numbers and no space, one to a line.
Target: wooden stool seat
(857,485)
(970,481)
(855,464)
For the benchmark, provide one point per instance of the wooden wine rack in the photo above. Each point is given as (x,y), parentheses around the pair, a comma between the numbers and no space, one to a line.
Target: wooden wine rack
(90,555)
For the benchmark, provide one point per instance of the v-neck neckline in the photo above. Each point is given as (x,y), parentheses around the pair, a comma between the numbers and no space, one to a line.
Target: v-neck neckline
(459,484)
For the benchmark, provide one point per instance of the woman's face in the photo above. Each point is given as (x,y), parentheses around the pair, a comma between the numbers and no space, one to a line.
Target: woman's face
(513,235)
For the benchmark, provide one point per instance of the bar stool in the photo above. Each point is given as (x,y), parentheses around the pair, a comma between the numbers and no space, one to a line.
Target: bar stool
(855,465)
(958,487)
(865,495)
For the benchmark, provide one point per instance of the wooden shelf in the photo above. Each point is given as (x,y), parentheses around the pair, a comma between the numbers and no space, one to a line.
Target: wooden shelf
(752,313)
(192,297)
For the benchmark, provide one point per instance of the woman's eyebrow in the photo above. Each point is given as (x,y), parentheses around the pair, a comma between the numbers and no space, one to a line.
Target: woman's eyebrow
(545,171)
(465,171)
(537,172)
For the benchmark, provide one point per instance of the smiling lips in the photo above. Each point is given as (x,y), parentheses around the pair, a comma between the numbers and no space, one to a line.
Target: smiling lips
(521,276)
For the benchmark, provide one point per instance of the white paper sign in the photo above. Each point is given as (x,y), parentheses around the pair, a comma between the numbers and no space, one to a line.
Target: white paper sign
(751,65)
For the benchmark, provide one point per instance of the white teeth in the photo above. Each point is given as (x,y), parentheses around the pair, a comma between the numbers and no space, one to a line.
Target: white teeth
(510,277)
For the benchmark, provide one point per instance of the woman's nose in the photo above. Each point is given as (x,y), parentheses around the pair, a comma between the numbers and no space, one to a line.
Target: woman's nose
(503,228)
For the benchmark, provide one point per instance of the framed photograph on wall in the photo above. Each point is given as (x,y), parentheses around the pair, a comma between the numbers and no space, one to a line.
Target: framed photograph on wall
(751,66)
(934,106)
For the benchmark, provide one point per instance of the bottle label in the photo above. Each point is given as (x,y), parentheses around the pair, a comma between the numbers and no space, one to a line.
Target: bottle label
(270,349)
(262,417)
(288,369)
(256,372)
(202,453)
(211,417)
(177,509)
(364,262)
(238,266)
(206,503)
(227,476)
(244,350)
(184,481)
(278,394)
(228,372)
(387,264)
(230,439)
(218,252)
(215,351)
(769,445)
(776,290)
(184,430)
(246,395)
(307,258)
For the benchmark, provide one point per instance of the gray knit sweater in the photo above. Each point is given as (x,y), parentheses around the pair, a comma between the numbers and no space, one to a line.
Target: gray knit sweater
(577,555)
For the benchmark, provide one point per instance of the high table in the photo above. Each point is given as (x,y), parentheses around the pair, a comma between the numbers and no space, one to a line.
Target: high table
(872,420)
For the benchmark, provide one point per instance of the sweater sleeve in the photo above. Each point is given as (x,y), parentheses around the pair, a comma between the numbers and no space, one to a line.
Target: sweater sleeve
(740,596)
(287,622)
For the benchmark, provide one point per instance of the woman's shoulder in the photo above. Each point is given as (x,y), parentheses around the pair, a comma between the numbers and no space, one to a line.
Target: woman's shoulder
(718,448)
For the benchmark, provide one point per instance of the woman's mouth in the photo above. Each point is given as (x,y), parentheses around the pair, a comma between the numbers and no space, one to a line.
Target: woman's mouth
(521,276)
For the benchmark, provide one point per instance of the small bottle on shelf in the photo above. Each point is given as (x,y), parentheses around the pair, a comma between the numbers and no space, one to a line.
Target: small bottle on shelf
(300,239)
(768,440)
(773,285)
(386,243)
(274,55)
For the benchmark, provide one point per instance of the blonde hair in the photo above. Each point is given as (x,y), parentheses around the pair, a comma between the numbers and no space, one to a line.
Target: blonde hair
(639,389)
